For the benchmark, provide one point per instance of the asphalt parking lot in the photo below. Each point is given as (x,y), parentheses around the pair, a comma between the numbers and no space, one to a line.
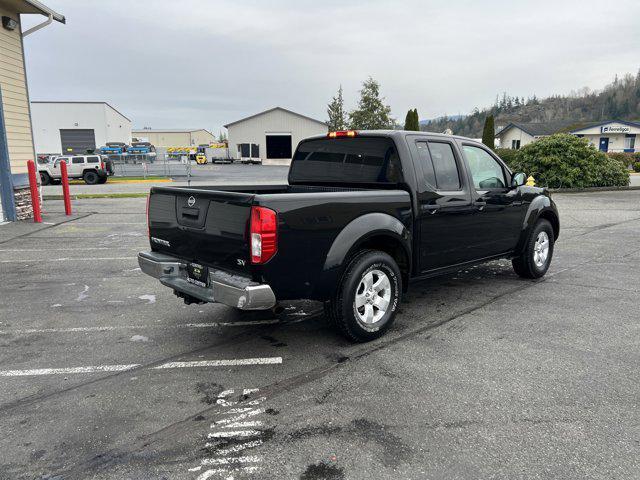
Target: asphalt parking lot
(104,374)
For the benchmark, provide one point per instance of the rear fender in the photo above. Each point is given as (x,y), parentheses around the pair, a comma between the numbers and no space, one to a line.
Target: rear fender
(352,236)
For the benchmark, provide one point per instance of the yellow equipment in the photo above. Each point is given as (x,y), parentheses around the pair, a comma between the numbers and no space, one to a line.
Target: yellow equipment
(201,159)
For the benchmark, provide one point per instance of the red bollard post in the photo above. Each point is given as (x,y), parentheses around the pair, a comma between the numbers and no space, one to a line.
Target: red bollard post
(65,187)
(33,187)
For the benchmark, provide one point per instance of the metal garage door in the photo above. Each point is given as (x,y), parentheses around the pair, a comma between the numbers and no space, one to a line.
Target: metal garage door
(279,145)
(77,141)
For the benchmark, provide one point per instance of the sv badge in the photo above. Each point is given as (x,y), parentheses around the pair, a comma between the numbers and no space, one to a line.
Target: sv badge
(241,262)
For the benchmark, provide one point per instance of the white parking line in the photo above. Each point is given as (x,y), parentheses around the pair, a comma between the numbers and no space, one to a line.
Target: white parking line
(120,368)
(230,460)
(235,433)
(223,363)
(135,327)
(65,259)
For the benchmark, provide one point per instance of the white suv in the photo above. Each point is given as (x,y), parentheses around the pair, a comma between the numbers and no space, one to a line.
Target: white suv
(90,168)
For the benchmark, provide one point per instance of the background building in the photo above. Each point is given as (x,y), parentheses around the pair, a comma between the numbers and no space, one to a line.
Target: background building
(271,135)
(611,136)
(75,127)
(16,139)
(174,137)
(517,135)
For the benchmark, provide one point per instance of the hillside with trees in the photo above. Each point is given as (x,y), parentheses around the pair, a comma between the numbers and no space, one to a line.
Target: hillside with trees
(618,100)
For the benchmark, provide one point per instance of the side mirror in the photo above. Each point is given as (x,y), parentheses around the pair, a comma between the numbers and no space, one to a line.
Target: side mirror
(518,179)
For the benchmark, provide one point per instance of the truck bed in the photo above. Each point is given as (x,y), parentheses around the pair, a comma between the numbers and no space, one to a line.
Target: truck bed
(209,225)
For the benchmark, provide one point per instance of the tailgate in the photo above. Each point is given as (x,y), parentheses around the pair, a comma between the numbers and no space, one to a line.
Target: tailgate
(203,226)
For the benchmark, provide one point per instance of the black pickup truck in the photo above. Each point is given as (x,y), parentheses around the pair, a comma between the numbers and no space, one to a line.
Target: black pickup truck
(364,213)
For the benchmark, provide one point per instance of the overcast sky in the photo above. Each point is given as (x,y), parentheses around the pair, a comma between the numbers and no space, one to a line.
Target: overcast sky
(198,63)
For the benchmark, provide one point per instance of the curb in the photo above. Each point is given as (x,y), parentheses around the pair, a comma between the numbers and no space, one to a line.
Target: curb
(81,196)
(593,189)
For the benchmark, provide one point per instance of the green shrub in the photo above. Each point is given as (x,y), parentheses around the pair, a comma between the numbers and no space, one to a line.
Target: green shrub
(508,155)
(636,167)
(627,159)
(566,161)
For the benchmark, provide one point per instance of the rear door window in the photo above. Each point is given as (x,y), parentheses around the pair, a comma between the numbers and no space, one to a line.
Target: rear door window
(75,160)
(444,166)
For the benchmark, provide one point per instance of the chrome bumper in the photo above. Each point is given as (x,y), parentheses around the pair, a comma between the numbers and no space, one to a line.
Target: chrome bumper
(232,290)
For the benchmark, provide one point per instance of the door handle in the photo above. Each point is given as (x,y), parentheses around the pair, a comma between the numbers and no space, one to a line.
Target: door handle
(432,209)
(480,204)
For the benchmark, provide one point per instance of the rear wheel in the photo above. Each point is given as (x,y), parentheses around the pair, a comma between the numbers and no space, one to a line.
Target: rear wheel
(364,307)
(536,258)
(90,177)
(45,178)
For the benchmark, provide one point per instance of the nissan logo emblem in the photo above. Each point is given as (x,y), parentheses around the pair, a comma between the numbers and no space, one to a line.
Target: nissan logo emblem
(191,201)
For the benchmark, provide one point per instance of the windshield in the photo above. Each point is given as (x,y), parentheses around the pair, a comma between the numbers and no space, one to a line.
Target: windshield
(346,160)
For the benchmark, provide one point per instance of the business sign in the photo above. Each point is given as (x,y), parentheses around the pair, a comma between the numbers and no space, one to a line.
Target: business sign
(615,129)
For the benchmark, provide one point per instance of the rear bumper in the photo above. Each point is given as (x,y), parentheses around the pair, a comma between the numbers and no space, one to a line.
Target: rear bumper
(235,291)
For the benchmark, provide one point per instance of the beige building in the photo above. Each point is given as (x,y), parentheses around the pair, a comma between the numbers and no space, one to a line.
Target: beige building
(517,135)
(173,137)
(271,136)
(612,135)
(16,139)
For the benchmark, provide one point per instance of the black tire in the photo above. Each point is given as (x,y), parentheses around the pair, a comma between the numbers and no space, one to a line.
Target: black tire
(90,177)
(342,311)
(527,265)
(103,180)
(45,178)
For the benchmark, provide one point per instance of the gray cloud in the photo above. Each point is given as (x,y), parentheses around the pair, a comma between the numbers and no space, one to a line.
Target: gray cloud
(206,63)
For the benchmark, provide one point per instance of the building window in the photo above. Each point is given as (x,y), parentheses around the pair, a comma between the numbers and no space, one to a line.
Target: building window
(630,142)
(515,144)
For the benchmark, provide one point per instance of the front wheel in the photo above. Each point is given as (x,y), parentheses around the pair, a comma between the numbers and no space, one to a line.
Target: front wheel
(536,257)
(45,179)
(364,307)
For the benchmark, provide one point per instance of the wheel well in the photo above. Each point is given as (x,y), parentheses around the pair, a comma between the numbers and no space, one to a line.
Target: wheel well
(553,220)
(394,248)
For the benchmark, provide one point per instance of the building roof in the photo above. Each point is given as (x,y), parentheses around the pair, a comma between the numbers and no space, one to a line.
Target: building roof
(34,6)
(171,130)
(90,103)
(537,129)
(271,110)
(585,126)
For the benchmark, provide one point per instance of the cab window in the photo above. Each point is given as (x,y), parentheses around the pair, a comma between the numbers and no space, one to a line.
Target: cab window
(444,166)
(485,170)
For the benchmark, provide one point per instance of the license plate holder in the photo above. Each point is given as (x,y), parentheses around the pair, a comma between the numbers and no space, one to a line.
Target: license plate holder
(198,274)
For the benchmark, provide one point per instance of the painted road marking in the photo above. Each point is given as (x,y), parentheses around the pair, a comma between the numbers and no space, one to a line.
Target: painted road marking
(25,331)
(240,440)
(121,368)
(65,259)
(223,363)
(210,473)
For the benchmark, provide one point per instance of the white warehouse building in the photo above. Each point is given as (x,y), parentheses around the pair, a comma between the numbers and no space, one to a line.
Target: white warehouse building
(272,135)
(75,127)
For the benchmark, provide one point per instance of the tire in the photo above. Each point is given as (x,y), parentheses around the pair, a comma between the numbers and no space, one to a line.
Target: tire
(103,180)
(90,177)
(534,262)
(362,314)
(45,178)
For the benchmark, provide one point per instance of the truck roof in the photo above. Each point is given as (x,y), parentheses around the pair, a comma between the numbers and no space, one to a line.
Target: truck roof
(397,133)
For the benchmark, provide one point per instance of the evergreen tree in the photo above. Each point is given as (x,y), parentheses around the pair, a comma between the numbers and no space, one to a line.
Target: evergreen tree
(408,120)
(416,120)
(411,121)
(488,132)
(371,112)
(335,111)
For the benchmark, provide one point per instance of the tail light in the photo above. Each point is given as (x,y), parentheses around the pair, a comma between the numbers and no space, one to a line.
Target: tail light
(342,133)
(148,227)
(264,234)
(101,165)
